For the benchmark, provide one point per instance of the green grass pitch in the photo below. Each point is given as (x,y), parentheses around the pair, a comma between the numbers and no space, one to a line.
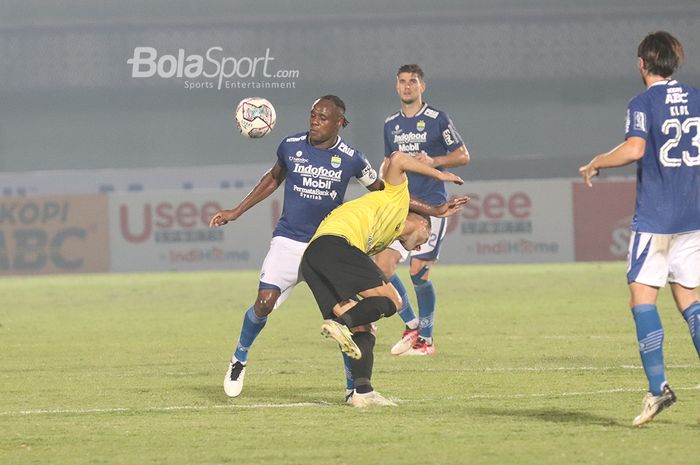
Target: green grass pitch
(535,364)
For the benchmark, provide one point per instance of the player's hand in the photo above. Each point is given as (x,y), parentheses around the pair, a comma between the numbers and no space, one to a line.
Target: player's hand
(220,218)
(451,177)
(425,159)
(452,206)
(588,172)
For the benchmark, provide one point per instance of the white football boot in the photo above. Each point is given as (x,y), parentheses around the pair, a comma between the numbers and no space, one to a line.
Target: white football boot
(408,338)
(371,399)
(349,393)
(343,336)
(653,405)
(233,382)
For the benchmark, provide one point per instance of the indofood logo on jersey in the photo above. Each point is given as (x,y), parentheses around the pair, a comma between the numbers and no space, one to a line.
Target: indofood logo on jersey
(316,182)
(215,65)
(410,142)
(317,176)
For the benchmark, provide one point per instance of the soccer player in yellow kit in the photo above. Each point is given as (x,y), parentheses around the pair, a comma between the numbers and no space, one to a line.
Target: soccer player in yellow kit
(337,265)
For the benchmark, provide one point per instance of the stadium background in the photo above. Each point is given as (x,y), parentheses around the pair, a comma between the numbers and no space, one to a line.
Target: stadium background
(103,171)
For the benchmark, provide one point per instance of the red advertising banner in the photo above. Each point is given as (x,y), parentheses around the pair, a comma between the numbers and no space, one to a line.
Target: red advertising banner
(54,234)
(602,216)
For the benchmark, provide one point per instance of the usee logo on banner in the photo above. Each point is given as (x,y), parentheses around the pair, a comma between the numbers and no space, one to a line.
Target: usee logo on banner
(147,62)
(167,222)
(497,213)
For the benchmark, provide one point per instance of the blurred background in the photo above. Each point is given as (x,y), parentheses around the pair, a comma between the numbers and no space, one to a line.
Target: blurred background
(534,86)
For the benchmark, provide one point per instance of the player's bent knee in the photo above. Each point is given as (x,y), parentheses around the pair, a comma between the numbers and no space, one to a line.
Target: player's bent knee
(265,303)
(421,277)
(386,306)
(385,290)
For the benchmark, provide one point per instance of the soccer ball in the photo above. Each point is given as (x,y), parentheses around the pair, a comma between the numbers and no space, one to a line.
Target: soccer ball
(255,117)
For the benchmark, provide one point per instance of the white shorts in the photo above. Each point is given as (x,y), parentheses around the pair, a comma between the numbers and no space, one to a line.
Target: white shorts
(430,251)
(654,259)
(280,270)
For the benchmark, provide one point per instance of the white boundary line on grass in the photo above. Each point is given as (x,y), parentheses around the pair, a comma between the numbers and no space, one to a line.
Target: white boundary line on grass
(177,408)
(172,408)
(533,369)
(569,394)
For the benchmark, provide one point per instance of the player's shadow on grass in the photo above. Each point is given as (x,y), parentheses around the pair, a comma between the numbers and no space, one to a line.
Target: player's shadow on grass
(552,415)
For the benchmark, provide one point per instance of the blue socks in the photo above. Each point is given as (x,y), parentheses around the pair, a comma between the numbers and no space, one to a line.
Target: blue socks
(349,382)
(692,316)
(650,335)
(252,325)
(406,311)
(425,294)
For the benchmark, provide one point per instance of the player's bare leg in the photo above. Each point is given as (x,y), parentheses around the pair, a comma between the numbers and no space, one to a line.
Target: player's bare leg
(388,261)
(425,294)
(253,322)
(364,338)
(650,336)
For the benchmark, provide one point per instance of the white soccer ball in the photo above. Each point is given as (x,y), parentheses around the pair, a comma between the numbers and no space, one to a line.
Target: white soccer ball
(255,117)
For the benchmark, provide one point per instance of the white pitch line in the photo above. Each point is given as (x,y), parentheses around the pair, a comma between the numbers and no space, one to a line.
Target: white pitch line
(569,394)
(534,369)
(171,408)
(175,408)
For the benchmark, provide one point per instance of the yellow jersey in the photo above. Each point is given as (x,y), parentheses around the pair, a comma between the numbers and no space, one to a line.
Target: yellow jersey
(370,222)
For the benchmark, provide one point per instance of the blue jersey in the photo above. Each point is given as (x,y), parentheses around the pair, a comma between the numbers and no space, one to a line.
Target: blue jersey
(430,131)
(316,183)
(667,116)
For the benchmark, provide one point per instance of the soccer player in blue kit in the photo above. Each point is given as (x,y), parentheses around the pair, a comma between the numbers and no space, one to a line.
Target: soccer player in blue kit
(662,136)
(429,135)
(316,167)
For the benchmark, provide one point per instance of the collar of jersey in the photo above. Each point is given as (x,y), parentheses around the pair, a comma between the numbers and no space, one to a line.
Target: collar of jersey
(422,109)
(337,142)
(671,82)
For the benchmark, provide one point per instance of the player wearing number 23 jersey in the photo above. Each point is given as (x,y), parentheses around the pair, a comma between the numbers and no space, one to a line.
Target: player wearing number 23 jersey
(662,136)
(667,117)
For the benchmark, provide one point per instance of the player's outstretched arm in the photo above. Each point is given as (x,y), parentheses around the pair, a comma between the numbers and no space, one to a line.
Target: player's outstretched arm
(399,163)
(627,152)
(445,209)
(269,182)
(457,157)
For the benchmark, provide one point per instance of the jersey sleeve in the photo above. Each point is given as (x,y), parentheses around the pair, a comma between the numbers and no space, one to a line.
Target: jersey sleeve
(451,139)
(388,149)
(365,174)
(637,120)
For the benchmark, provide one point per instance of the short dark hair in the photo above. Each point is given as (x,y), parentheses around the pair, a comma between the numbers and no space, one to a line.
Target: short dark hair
(661,52)
(422,215)
(412,68)
(338,102)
